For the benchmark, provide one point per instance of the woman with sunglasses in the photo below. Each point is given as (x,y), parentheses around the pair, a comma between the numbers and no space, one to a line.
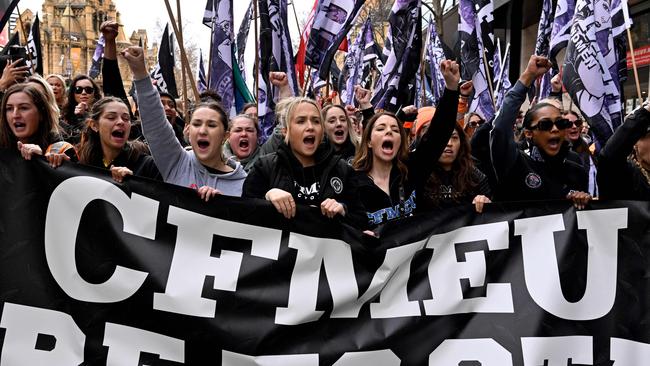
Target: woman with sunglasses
(83,92)
(544,171)
(472,122)
(582,148)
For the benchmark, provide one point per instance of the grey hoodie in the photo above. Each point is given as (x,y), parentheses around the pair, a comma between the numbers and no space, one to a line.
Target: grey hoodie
(177,165)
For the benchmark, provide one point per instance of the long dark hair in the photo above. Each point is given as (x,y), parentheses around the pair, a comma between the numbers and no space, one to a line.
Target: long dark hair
(363,159)
(90,148)
(72,102)
(47,131)
(464,178)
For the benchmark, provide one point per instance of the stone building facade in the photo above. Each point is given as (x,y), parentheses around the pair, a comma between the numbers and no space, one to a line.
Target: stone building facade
(69,34)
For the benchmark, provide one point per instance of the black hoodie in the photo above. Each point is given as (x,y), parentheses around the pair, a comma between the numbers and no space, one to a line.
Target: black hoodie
(328,178)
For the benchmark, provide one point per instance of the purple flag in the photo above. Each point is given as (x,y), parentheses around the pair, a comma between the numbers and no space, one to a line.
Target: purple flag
(542,46)
(221,75)
(276,54)
(434,56)
(475,28)
(589,65)
(359,58)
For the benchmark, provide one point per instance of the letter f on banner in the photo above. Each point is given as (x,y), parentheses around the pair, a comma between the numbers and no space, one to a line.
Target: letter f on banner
(541,269)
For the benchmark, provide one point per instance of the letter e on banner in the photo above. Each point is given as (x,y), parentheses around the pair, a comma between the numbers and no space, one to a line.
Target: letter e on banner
(445,272)
(126,343)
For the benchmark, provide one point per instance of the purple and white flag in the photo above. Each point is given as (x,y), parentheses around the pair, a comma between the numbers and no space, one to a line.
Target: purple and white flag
(434,55)
(96,67)
(589,66)
(475,28)
(561,31)
(542,47)
(503,81)
(275,54)
(621,22)
(396,86)
(359,58)
(332,23)
(220,20)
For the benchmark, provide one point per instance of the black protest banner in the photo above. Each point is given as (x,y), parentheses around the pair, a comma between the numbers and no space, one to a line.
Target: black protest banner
(100,273)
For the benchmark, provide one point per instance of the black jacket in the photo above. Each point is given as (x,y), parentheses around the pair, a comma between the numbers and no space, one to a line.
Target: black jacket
(140,164)
(283,171)
(531,175)
(618,177)
(404,195)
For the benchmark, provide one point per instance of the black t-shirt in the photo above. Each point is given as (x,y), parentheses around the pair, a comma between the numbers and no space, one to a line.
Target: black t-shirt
(307,186)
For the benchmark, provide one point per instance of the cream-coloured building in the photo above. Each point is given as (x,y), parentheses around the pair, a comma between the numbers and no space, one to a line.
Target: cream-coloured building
(69,34)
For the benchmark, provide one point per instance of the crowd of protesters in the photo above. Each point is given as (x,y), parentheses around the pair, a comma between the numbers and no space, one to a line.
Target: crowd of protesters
(355,163)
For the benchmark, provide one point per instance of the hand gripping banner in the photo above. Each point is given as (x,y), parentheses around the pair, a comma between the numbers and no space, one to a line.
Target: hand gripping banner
(98,273)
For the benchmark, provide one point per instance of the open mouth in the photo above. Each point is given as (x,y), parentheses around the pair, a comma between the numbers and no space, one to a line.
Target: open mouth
(387,147)
(118,134)
(554,143)
(339,133)
(19,125)
(243,144)
(309,140)
(203,144)
(448,151)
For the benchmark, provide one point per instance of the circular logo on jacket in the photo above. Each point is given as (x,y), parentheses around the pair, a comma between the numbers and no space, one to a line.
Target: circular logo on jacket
(337,185)
(533,181)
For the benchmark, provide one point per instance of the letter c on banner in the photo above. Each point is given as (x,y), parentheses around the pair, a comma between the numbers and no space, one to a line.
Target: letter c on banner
(66,206)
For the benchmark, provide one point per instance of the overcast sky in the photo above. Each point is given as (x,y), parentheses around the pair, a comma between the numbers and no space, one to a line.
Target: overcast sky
(137,14)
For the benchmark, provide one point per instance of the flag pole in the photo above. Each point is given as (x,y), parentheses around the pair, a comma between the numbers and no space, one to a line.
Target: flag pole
(184,60)
(180,41)
(257,54)
(304,91)
(636,72)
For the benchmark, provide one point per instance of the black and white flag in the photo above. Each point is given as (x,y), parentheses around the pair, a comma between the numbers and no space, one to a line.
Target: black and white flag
(361,58)
(332,23)
(242,38)
(542,46)
(98,55)
(396,86)
(221,65)
(476,49)
(276,54)
(202,82)
(35,54)
(590,72)
(561,31)
(163,73)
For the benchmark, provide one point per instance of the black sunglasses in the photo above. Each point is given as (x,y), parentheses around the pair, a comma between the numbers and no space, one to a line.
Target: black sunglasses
(475,124)
(546,124)
(577,123)
(81,89)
